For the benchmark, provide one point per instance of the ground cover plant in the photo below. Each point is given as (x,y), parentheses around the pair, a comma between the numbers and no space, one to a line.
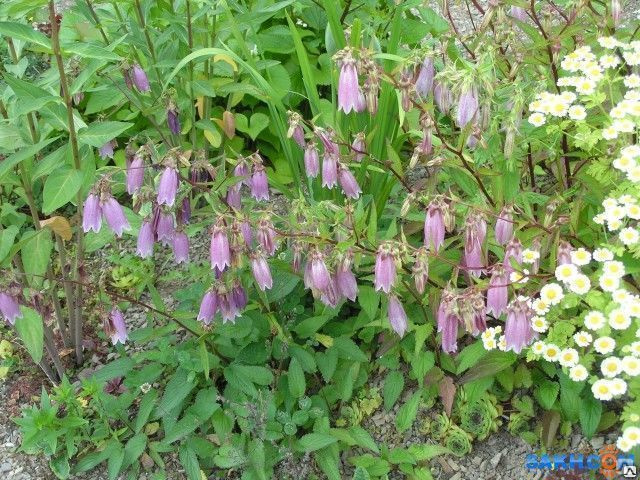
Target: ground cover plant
(285,216)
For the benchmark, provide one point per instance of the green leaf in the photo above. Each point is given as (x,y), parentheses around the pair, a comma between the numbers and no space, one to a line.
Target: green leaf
(99,133)
(38,246)
(189,461)
(182,428)
(315,441)
(361,474)
(393,386)
(328,461)
(308,79)
(60,187)
(369,300)
(258,122)
(470,355)
(400,455)
(407,413)
(348,349)
(7,236)
(546,392)
(114,464)
(60,467)
(175,392)
(492,363)
(30,330)
(144,410)
(90,50)
(283,284)
(92,459)
(297,384)
(590,413)
(363,438)
(10,137)
(12,160)
(31,97)
(26,33)
(133,449)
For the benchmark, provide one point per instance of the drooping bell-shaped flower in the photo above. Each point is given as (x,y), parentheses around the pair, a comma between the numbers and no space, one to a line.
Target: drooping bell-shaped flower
(405,85)
(512,253)
(371,88)
(564,252)
(327,139)
(135,174)
(517,330)
(475,233)
(348,182)
(467,106)
(420,269)
(165,228)
(185,210)
(443,97)
(228,308)
(448,322)
(261,271)
(115,327)
(239,295)
(311,160)
(498,292)
(330,296)
(518,13)
(266,236)
(168,186)
(316,273)
(385,269)
(397,315)
(504,225)
(247,234)
(92,214)
(346,280)
(424,82)
(208,307)
(359,147)
(479,318)
(348,87)
(144,247)
(295,130)
(329,170)
(9,308)
(114,215)
(173,120)
(241,170)
(234,199)
(180,247)
(434,226)
(139,78)
(259,183)
(220,251)
(106,150)
(297,256)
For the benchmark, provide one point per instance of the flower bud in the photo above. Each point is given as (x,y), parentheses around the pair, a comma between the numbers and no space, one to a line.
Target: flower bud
(498,292)
(504,225)
(115,327)
(208,307)
(139,78)
(359,147)
(311,160)
(9,308)
(330,296)
(397,315)
(135,174)
(173,120)
(295,130)
(513,251)
(266,236)
(106,150)
(467,106)
(92,214)
(421,269)
(144,247)
(424,82)
(442,96)
(564,253)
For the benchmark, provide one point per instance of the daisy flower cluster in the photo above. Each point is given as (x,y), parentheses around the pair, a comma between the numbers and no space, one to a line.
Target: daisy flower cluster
(601,344)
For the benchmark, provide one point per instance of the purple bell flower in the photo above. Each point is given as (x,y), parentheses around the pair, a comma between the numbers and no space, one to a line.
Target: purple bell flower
(504,226)
(259,183)
(475,233)
(424,82)
(329,170)
(316,274)
(442,96)
(239,295)
(208,307)
(397,316)
(135,174)
(145,240)
(168,187)
(185,210)
(348,87)
(346,281)
(92,214)
(385,269)
(115,327)
(233,199)
(513,251)
(517,330)
(420,269)
(330,296)
(311,160)
(448,323)
(266,236)
(165,228)
(114,215)
(498,292)
(220,251)
(261,272)
(181,247)
(140,79)
(173,121)
(467,106)
(359,147)
(228,308)
(9,308)
(434,227)
(348,182)
(106,150)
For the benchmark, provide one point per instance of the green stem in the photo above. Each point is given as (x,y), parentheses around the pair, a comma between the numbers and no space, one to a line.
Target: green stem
(191,97)
(79,260)
(147,37)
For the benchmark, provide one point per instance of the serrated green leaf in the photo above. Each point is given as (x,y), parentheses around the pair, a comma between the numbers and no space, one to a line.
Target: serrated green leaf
(407,413)
(60,187)
(99,133)
(297,383)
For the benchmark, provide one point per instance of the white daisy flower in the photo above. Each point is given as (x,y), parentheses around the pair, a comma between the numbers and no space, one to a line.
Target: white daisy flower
(577,112)
(569,357)
(631,366)
(539,324)
(623,445)
(632,435)
(609,61)
(585,86)
(611,367)
(632,81)
(540,306)
(613,267)
(551,293)
(635,348)
(594,320)
(601,389)
(537,119)
(624,163)
(580,284)
(530,256)
(566,272)
(619,319)
(608,282)
(618,386)
(629,236)
(580,257)
(551,352)
(602,255)
(608,133)
(578,373)
(634,174)
(608,42)
(604,345)
(582,338)
(633,211)
(624,125)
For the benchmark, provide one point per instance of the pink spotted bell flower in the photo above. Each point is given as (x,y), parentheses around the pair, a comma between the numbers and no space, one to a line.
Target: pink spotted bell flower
(261,271)
(330,296)
(9,308)
(512,253)
(139,78)
(220,251)
(517,330)
(311,160)
(434,225)
(173,120)
(259,183)
(348,182)
(168,186)
(239,295)
(474,235)
(504,225)
(135,174)
(385,268)
(106,150)
(115,327)
(448,321)
(467,106)
(228,308)
(397,316)
(316,273)
(165,227)
(329,170)
(498,292)
(144,248)
(359,146)
(443,97)
(92,213)
(346,280)
(266,236)
(114,215)
(180,247)
(564,252)
(424,82)
(348,88)
(208,306)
